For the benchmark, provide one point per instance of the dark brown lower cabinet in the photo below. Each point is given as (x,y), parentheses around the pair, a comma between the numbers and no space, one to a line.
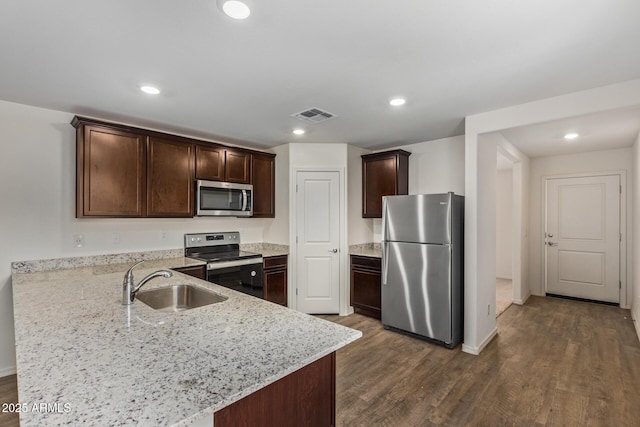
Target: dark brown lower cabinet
(305,397)
(275,279)
(199,271)
(366,274)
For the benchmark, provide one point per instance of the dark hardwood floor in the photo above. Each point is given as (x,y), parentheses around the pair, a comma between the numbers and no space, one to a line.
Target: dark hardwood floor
(8,394)
(555,362)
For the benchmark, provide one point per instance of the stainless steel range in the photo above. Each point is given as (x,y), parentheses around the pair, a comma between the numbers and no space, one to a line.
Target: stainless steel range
(227,265)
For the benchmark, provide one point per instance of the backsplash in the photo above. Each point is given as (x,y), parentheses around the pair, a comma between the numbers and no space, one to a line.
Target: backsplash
(89,261)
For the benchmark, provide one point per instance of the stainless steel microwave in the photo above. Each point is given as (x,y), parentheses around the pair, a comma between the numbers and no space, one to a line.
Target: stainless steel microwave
(215,198)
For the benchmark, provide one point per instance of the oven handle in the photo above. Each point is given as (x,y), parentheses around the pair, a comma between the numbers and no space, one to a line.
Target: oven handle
(234,263)
(244,200)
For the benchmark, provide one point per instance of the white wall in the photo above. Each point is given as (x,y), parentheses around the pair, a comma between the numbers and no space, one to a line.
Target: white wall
(504,223)
(434,167)
(278,230)
(37,213)
(360,230)
(635,233)
(541,167)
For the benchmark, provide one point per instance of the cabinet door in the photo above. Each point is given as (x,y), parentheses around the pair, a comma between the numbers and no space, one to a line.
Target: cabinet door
(170,178)
(263,178)
(275,286)
(366,286)
(237,166)
(380,180)
(383,174)
(210,163)
(111,173)
(275,279)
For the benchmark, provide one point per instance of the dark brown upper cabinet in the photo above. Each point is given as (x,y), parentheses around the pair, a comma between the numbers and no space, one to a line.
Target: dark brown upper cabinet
(210,162)
(123,171)
(111,172)
(383,174)
(237,166)
(170,178)
(263,178)
(218,163)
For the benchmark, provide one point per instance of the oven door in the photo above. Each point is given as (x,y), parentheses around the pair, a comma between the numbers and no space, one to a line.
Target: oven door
(223,199)
(240,275)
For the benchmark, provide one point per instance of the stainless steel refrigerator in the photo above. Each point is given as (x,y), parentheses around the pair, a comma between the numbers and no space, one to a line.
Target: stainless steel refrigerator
(422,266)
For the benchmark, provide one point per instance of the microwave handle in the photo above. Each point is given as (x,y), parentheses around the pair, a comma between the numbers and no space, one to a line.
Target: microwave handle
(244,200)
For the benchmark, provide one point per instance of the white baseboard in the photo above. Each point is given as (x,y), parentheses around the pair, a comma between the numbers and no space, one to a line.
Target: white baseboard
(348,312)
(521,301)
(535,294)
(505,278)
(9,370)
(635,324)
(476,350)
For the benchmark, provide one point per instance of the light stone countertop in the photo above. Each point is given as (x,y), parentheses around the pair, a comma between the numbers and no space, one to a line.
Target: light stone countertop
(373,250)
(266,249)
(117,365)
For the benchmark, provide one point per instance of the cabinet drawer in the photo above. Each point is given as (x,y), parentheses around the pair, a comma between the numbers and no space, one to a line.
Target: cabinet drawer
(366,262)
(275,261)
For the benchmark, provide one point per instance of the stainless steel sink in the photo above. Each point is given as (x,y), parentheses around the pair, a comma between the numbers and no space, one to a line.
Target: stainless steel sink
(179,298)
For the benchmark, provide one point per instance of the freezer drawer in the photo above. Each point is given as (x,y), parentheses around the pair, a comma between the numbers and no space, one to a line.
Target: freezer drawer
(416,289)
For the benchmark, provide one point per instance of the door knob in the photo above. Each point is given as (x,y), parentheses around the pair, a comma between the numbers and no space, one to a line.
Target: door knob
(552,244)
(333,251)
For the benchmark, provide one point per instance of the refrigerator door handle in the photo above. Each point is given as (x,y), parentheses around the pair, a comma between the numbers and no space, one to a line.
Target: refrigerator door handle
(385,262)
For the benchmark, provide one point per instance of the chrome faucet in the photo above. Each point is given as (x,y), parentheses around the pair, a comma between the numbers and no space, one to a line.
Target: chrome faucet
(129,291)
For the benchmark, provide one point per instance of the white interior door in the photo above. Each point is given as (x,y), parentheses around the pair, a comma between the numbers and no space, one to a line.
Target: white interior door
(582,240)
(318,236)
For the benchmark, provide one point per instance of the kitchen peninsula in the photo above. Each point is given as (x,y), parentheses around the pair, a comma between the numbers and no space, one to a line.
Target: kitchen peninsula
(116,365)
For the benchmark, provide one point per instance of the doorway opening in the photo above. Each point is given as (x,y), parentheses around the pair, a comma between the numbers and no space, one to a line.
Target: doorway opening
(504,233)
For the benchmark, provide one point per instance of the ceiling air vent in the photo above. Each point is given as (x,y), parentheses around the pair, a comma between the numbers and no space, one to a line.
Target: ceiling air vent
(313,115)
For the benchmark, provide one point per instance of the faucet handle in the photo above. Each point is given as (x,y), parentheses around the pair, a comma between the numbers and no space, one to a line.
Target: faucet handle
(129,274)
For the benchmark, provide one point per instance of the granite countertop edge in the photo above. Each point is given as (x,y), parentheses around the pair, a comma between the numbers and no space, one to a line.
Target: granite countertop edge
(292,342)
(33,266)
(372,250)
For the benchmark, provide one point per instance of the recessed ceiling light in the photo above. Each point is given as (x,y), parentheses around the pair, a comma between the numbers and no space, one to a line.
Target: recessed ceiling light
(571,136)
(298,131)
(236,9)
(150,90)
(396,102)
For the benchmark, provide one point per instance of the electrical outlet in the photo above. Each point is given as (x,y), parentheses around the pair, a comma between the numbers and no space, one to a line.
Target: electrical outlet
(115,238)
(163,235)
(78,240)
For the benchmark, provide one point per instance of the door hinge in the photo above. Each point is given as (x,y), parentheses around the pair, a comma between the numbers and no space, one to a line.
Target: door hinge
(296,188)
(620,285)
(621,237)
(296,239)
(296,291)
(621,189)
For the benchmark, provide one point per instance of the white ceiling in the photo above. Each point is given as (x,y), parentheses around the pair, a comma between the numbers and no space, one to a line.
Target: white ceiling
(608,130)
(241,80)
